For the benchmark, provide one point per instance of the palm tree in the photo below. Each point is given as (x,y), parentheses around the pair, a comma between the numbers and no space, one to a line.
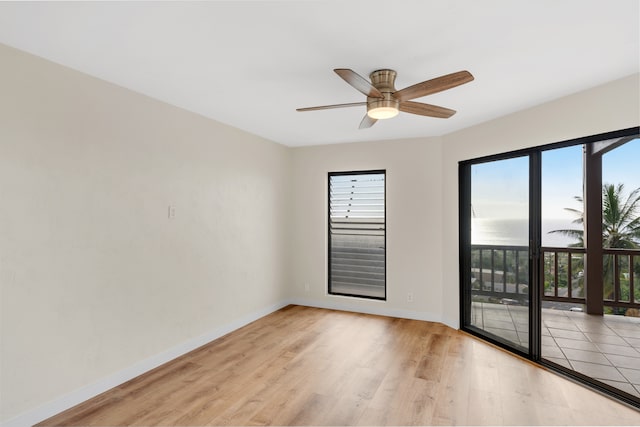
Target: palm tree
(620,219)
(620,222)
(620,226)
(575,234)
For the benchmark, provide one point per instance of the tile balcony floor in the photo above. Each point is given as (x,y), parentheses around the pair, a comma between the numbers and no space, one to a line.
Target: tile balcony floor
(606,348)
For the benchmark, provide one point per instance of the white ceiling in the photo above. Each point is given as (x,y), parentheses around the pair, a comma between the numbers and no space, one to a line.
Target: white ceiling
(250,64)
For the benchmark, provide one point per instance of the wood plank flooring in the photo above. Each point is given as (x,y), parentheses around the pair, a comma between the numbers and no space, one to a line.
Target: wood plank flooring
(309,366)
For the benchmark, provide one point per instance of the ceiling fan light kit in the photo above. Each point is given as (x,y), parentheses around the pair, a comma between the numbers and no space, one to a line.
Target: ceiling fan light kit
(385,102)
(387,106)
(384,109)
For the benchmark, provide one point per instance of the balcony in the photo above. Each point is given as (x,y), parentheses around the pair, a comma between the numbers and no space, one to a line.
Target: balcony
(605,347)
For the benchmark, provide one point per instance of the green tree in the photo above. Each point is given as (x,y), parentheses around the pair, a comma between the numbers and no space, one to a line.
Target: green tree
(577,234)
(620,219)
(620,226)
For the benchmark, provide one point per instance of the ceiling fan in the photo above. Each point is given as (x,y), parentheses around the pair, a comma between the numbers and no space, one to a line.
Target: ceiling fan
(384,101)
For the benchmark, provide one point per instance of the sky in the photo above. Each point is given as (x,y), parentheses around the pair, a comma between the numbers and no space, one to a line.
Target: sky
(500,189)
(502,192)
(562,176)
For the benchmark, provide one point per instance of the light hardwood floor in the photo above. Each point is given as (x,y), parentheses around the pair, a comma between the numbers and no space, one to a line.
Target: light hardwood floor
(309,366)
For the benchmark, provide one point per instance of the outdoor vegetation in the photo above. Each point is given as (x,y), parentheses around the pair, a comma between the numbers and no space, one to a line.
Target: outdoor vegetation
(620,230)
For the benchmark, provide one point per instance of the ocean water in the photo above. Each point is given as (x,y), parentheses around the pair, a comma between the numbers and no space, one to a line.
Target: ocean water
(515,232)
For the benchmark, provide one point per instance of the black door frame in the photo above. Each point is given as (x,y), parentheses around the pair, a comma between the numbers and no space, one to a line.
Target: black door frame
(535,215)
(464,235)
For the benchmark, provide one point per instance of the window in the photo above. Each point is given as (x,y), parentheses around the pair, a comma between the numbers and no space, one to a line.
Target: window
(357,236)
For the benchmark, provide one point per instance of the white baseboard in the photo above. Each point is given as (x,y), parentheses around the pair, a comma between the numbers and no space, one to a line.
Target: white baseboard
(451,322)
(75,397)
(346,305)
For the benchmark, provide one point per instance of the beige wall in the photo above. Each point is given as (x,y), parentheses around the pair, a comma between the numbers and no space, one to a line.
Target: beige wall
(414,218)
(94,275)
(606,108)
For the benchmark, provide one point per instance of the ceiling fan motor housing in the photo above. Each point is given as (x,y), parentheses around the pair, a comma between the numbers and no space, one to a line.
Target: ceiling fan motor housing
(386,107)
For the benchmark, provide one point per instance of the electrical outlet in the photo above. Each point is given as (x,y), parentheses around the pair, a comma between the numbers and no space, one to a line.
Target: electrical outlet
(172,212)
(306,287)
(409,296)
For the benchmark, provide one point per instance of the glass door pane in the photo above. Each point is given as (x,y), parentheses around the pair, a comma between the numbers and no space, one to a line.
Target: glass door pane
(563,255)
(603,346)
(499,262)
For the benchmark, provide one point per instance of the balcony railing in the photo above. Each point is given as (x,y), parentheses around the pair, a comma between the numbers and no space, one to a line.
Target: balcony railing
(563,271)
(626,272)
(500,273)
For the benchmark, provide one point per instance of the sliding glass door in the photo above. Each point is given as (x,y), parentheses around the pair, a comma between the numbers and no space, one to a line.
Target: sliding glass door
(550,257)
(497,269)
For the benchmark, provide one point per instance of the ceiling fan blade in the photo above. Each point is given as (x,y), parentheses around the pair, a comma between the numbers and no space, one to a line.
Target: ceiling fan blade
(433,86)
(367,122)
(426,109)
(327,107)
(358,82)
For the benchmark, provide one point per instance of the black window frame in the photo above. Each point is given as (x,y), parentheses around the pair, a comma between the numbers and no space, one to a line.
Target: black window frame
(464,261)
(346,173)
